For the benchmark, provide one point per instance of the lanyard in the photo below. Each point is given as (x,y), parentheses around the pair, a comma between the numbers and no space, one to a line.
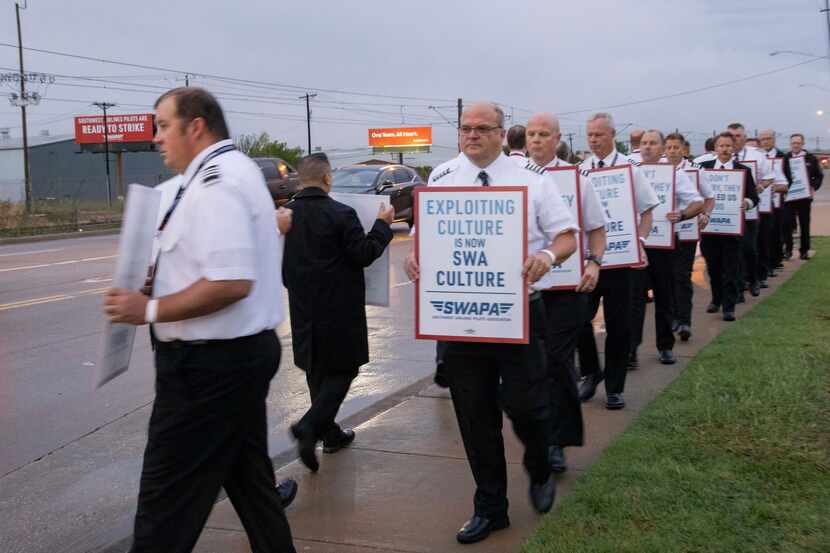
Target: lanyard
(183,187)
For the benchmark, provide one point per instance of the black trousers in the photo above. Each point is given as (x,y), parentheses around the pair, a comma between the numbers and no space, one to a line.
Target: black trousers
(721,254)
(327,390)
(208,431)
(485,376)
(766,255)
(749,256)
(565,313)
(778,216)
(799,209)
(684,260)
(614,288)
(660,273)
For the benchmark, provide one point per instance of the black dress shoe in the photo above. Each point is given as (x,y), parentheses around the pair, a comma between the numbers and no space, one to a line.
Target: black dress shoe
(478,528)
(614,402)
(788,254)
(440,377)
(729,316)
(306,446)
(685,332)
(779,266)
(667,357)
(556,458)
(755,290)
(764,284)
(287,491)
(588,387)
(805,257)
(633,363)
(713,308)
(741,299)
(675,326)
(542,495)
(345,438)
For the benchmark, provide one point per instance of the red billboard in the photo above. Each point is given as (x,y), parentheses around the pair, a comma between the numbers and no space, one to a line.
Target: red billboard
(89,129)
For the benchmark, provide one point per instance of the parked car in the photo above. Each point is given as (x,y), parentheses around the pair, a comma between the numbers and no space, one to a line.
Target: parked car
(395,181)
(281,178)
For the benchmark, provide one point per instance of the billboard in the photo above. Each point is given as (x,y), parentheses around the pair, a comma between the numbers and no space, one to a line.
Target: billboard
(400,139)
(89,129)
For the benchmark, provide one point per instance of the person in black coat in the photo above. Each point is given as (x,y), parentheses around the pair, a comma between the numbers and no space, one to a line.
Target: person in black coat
(326,251)
(800,208)
(722,252)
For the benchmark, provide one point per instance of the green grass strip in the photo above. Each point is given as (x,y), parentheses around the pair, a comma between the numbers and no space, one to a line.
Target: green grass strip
(734,456)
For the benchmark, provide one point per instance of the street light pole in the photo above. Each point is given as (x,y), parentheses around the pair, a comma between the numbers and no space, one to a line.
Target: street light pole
(27,180)
(104,106)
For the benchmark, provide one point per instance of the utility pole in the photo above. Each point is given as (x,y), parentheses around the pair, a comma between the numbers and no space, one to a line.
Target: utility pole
(27,180)
(570,136)
(460,109)
(308,98)
(826,11)
(104,106)
(187,79)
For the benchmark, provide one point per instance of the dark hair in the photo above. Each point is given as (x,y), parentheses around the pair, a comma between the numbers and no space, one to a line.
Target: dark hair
(798,134)
(725,135)
(735,126)
(676,136)
(516,137)
(710,144)
(194,102)
(312,168)
(563,151)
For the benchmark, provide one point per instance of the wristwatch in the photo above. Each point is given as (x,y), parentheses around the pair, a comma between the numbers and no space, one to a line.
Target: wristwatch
(595,258)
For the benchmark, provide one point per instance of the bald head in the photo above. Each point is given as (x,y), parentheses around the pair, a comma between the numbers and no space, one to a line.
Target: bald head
(543,137)
(767,139)
(635,137)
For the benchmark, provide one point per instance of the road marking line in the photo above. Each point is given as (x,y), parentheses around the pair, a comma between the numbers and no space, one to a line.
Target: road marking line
(50,299)
(31,252)
(67,262)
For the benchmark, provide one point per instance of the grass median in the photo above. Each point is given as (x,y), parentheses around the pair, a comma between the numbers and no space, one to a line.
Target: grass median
(734,456)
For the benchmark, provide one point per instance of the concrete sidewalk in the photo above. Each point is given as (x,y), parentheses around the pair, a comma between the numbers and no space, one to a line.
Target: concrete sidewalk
(405,485)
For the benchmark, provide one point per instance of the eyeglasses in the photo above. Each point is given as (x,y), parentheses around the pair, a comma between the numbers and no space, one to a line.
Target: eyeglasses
(478,130)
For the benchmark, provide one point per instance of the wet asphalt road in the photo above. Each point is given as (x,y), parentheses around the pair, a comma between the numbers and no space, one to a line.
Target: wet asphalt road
(71,455)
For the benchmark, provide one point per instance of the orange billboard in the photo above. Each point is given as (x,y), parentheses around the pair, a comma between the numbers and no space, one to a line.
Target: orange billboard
(402,137)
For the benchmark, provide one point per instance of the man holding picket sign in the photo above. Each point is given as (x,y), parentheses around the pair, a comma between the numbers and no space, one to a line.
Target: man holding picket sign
(487,374)
(679,200)
(805,176)
(565,290)
(628,200)
(722,239)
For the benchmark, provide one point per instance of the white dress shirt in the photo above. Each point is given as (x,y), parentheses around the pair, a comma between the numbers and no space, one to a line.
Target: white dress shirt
(644,196)
(636,156)
(222,229)
(519,158)
(685,191)
(547,214)
(705,190)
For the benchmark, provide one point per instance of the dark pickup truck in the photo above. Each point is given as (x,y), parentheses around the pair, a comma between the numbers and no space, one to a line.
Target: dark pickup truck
(281,178)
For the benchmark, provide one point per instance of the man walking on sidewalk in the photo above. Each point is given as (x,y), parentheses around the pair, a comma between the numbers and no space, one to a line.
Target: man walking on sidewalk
(325,254)
(800,207)
(487,377)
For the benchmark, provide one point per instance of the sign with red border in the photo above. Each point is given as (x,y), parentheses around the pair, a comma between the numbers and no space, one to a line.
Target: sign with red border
(136,127)
(752,214)
(569,274)
(662,178)
(471,245)
(689,230)
(800,187)
(728,185)
(615,188)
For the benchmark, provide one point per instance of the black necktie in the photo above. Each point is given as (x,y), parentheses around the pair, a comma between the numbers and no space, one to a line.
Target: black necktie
(601,164)
(484,178)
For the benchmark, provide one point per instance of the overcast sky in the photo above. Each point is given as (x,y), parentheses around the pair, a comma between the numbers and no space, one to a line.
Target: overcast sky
(553,56)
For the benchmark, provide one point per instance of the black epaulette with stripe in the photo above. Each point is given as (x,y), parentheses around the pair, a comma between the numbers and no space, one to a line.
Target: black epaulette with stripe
(442,174)
(535,168)
(584,172)
(210,174)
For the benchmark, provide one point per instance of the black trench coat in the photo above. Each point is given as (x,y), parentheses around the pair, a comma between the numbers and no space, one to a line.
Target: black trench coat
(322,268)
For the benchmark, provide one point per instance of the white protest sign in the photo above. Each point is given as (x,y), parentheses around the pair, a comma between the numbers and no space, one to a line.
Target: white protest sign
(615,188)
(376,275)
(728,187)
(135,246)
(471,246)
(689,230)
(569,274)
(751,214)
(661,178)
(800,187)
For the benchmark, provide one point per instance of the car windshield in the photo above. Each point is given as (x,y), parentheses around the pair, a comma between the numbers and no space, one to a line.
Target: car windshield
(354,177)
